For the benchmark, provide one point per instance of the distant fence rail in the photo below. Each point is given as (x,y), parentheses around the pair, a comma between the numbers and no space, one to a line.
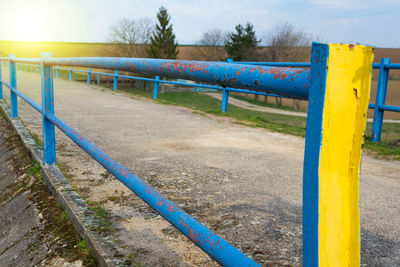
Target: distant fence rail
(326,210)
(379,106)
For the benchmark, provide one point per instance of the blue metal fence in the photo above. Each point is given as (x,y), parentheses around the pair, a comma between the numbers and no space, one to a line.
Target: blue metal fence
(289,82)
(379,106)
(232,75)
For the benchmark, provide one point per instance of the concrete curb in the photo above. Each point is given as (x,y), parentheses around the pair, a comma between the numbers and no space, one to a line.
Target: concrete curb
(82,218)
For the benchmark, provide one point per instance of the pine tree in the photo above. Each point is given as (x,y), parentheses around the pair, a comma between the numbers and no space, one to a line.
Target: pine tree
(243,43)
(162,43)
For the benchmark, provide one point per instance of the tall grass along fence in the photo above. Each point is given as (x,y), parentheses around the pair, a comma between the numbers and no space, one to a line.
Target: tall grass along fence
(338,73)
(379,106)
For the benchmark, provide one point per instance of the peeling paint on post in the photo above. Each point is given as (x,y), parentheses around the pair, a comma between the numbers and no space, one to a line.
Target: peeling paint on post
(225,99)
(115,81)
(340,73)
(49,137)
(13,84)
(89,75)
(70,73)
(98,79)
(156,87)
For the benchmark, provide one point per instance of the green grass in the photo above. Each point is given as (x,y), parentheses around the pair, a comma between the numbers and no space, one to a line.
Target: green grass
(64,216)
(64,74)
(389,146)
(34,171)
(102,216)
(264,104)
(35,137)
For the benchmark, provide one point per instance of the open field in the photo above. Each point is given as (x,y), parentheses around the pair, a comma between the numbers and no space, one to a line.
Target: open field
(71,49)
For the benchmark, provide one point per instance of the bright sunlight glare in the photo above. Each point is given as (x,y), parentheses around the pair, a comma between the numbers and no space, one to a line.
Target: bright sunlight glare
(28,25)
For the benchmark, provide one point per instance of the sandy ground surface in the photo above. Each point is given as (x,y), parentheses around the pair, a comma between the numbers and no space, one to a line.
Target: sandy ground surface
(244,183)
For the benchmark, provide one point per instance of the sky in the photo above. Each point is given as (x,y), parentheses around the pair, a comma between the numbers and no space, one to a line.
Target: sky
(369,22)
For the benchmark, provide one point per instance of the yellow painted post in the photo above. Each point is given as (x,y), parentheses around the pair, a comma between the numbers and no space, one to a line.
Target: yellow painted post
(338,106)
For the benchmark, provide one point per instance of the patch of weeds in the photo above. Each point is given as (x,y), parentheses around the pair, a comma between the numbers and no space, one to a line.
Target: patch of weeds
(62,169)
(34,171)
(58,205)
(64,216)
(87,261)
(38,142)
(83,247)
(132,256)
(105,224)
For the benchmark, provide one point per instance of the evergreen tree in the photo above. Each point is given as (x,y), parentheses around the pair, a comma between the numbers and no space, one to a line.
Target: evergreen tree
(162,43)
(243,43)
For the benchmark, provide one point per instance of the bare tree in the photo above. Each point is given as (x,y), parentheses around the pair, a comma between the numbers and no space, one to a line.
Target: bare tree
(286,43)
(212,44)
(131,36)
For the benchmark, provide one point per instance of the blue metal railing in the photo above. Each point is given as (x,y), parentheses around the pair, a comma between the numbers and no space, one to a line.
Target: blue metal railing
(289,82)
(379,106)
(293,83)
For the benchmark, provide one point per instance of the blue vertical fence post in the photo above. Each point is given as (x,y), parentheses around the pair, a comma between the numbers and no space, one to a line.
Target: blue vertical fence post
(225,98)
(49,137)
(31,67)
(57,71)
(70,73)
(225,93)
(1,84)
(380,100)
(37,68)
(156,87)
(13,84)
(115,80)
(89,74)
(98,79)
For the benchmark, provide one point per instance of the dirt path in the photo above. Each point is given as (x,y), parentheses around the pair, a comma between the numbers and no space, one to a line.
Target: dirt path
(244,183)
(247,105)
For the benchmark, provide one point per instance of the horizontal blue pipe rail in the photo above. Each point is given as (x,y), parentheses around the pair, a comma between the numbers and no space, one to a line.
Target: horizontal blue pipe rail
(306,64)
(390,108)
(191,66)
(283,81)
(219,88)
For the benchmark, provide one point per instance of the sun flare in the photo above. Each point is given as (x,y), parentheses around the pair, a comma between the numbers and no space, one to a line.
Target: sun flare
(28,26)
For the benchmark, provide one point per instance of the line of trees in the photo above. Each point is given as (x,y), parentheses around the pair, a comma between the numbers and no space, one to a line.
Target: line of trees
(145,37)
